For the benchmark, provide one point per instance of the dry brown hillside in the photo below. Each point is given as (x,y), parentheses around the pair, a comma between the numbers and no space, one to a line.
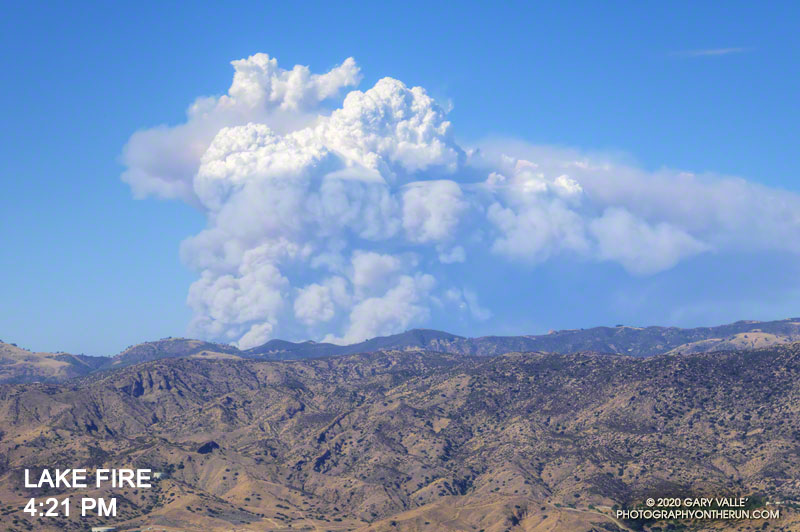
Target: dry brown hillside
(21,365)
(414,440)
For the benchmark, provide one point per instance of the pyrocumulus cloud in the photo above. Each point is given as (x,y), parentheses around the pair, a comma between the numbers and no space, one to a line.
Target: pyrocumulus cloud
(328,209)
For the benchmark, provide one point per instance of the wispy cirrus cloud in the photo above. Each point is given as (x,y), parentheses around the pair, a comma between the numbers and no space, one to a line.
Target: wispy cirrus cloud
(710,52)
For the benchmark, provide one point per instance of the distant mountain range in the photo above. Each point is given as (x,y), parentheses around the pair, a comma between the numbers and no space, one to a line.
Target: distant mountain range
(19,365)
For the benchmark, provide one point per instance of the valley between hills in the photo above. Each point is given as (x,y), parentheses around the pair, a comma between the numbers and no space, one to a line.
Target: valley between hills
(415,437)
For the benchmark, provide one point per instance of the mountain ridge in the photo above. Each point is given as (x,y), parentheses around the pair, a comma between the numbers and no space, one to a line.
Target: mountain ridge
(621,339)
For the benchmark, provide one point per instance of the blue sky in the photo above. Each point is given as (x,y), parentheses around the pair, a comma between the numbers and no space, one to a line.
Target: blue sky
(697,86)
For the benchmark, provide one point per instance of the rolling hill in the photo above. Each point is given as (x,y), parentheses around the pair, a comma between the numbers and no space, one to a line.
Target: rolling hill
(21,365)
(414,440)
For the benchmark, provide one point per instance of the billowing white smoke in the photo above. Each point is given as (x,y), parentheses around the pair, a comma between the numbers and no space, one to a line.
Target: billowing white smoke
(324,223)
